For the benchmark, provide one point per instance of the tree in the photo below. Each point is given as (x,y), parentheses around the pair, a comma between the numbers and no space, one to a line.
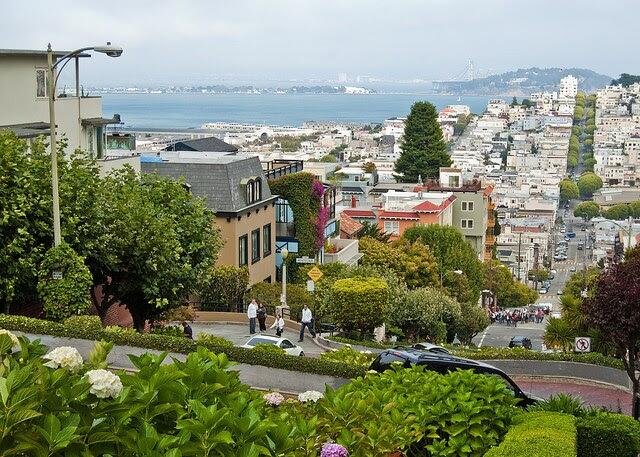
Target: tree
(618,212)
(589,163)
(360,303)
(369,167)
(451,251)
(423,148)
(223,288)
(67,295)
(508,291)
(514,101)
(612,308)
(588,183)
(372,230)
(587,210)
(537,275)
(473,320)
(625,80)
(328,159)
(568,190)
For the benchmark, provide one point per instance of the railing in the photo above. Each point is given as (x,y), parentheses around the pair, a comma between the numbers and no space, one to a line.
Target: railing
(277,168)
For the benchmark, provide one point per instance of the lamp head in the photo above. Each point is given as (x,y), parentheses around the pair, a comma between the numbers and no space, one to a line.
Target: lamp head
(109,49)
(284,252)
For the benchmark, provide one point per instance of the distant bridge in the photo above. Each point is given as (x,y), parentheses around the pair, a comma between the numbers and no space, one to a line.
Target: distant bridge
(467,74)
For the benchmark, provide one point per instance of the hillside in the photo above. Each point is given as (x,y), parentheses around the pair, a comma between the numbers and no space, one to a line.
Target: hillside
(523,82)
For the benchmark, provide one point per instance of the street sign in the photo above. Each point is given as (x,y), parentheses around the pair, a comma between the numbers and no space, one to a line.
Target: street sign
(305,259)
(56,274)
(311,286)
(315,274)
(583,344)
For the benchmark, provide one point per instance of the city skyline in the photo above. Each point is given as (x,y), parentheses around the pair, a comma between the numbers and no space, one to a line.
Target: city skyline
(248,41)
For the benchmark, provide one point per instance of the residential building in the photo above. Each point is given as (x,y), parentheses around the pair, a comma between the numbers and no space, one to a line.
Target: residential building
(235,188)
(569,86)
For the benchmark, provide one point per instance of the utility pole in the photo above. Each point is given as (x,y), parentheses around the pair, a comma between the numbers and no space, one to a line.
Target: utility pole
(519,252)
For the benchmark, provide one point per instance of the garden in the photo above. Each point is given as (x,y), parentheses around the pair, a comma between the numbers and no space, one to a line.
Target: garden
(54,403)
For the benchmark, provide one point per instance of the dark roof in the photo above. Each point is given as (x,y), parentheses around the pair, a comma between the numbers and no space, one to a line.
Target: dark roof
(220,180)
(36,52)
(30,130)
(209,144)
(352,190)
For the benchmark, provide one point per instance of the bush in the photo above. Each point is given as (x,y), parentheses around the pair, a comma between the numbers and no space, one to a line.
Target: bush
(83,324)
(269,295)
(349,356)
(224,288)
(365,343)
(360,303)
(213,340)
(268,349)
(168,330)
(116,329)
(562,403)
(539,434)
(68,295)
(607,435)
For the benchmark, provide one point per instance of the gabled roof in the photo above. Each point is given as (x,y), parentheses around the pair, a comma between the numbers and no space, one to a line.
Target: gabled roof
(209,144)
(349,225)
(360,213)
(430,207)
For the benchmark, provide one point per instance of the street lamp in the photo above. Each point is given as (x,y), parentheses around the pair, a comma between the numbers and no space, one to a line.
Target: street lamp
(284,252)
(111,51)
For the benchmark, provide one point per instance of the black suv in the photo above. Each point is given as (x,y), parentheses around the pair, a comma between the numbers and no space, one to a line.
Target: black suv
(443,364)
(520,341)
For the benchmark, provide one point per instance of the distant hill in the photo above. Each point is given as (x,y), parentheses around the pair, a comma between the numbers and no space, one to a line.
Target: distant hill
(523,82)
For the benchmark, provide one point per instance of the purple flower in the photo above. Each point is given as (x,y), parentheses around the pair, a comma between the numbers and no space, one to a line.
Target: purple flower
(333,450)
(321,222)
(317,190)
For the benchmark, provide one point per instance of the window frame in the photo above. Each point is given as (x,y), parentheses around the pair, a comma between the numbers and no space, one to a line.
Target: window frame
(243,262)
(466,223)
(395,230)
(257,247)
(467,205)
(266,240)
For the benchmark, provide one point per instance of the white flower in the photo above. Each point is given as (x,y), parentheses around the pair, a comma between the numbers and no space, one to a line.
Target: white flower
(14,339)
(372,371)
(64,357)
(273,398)
(104,383)
(310,395)
(366,352)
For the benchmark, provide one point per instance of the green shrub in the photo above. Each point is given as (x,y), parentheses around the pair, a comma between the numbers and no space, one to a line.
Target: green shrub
(269,295)
(268,348)
(539,434)
(608,435)
(88,324)
(68,295)
(348,356)
(224,288)
(213,340)
(168,330)
(365,343)
(561,403)
(116,329)
(360,303)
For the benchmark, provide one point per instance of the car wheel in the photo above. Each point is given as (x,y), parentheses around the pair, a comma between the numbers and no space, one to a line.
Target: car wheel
(301,354)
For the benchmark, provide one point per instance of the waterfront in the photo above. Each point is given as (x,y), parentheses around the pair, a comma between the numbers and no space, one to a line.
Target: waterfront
(189,110)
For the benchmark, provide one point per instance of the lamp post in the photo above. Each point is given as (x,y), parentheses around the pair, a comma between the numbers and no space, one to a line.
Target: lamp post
(111,51)
(284,252)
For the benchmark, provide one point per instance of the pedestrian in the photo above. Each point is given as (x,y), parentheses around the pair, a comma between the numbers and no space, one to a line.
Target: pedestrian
(306,321)
(252,312)
(188,331)
(262,317)
(278,324)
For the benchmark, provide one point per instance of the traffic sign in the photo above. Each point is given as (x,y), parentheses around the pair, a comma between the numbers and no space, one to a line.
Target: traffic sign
(56,274)
(305,259)
(582,344)
(311,286)
(315,274)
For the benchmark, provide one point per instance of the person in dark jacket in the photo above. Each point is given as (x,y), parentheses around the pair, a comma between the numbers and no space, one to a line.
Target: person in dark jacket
(188,331)
(262,317)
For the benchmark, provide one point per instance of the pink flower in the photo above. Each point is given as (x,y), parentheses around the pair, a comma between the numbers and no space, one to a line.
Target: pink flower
(273,398)
(333,450)
(317,190)
(321,222)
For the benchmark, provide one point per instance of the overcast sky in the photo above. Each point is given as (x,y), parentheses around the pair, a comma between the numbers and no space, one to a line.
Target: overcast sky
(203,41)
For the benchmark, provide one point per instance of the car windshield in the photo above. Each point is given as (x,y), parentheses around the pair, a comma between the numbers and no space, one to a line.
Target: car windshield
(258,340)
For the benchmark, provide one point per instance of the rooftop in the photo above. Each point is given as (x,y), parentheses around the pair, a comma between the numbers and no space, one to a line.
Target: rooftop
(36,52)
(208,144)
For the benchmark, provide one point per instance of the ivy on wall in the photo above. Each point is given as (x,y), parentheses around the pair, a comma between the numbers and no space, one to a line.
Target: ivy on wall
(300,191)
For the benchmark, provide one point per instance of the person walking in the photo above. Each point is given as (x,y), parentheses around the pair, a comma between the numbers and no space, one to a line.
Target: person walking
(306,321)
(188,331)
(252,312)
(262,317)
(278,324)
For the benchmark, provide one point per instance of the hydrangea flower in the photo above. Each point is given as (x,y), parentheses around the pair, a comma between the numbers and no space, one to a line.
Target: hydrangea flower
(273,398)
(310,395)
(14,339)
(104,383)
(64,357)
(333,450)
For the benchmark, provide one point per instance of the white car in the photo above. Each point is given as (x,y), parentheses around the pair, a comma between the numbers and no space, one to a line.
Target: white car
(282,343)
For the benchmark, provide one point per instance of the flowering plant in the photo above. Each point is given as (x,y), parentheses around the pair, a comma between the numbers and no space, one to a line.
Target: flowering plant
(321,222)
(104,383)
(310,395)
(14,339)
(64,357)
(273,398)
(333,450)
(317,190)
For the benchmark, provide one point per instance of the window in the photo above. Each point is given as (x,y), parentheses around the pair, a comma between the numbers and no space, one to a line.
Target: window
(454,181)
(392,227)
(467,223)
(467,206)
(266,240)
(41,82)
(257,190)
(243,258)
(255,245)
(253,190)
(249,193)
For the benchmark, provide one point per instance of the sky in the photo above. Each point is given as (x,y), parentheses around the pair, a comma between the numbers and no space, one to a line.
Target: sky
(187,42)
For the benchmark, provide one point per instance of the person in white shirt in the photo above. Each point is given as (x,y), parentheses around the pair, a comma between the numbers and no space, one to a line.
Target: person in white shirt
(306,321)
(278,324)
(252,313)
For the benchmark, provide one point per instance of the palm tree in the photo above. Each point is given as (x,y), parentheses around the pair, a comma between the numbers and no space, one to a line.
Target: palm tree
(559,334)
(372,230)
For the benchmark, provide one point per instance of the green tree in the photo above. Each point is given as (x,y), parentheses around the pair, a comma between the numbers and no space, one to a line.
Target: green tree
(372,230)
(589,163)
(473,320)
(328,159)
(588,183)
(568,190)
(67,295)
(360,303)
(625,80)
(423,148)
(369,167)
(509,292)
(451,251)
(618,212)
(224,288)
(587,210)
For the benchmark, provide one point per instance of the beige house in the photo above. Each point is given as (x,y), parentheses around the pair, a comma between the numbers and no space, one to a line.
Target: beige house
(24,102)
(236,190)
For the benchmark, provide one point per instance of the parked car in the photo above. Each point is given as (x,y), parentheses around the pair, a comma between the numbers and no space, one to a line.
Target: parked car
(543,291)
(282,343)
(559,292)
(445,363)
(430,347)
(562,230)
(573,268)
(520,342)
(570,234)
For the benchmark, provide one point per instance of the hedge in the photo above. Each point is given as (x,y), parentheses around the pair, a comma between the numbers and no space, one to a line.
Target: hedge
(606,435)
(179,345)
(539,434)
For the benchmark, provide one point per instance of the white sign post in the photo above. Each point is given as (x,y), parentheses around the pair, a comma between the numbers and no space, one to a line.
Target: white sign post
(311,286)
(582,344)
(56,275)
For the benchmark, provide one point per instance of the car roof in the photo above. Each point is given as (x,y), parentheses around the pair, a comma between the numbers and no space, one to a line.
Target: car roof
(519,338)
(421,356)
(275,339)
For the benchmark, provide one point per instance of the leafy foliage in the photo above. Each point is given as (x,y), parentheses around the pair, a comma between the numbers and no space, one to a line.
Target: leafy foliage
(348,356)
(605,434)
(423,148)
(224,288)
(568,190)
(588,183)
(269,295)
(360,303)
(562,403)
(472,321)
(69,295)
(372,230)
(559,334)
(625,80)
(587,210)
(509,291)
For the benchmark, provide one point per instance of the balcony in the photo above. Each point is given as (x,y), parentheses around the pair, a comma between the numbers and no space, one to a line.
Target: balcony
(346,252)
(281,167)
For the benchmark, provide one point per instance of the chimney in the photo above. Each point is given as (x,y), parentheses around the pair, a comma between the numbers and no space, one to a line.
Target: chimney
(354,202)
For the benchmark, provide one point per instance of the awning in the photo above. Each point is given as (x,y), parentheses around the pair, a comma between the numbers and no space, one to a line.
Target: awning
(30,130)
